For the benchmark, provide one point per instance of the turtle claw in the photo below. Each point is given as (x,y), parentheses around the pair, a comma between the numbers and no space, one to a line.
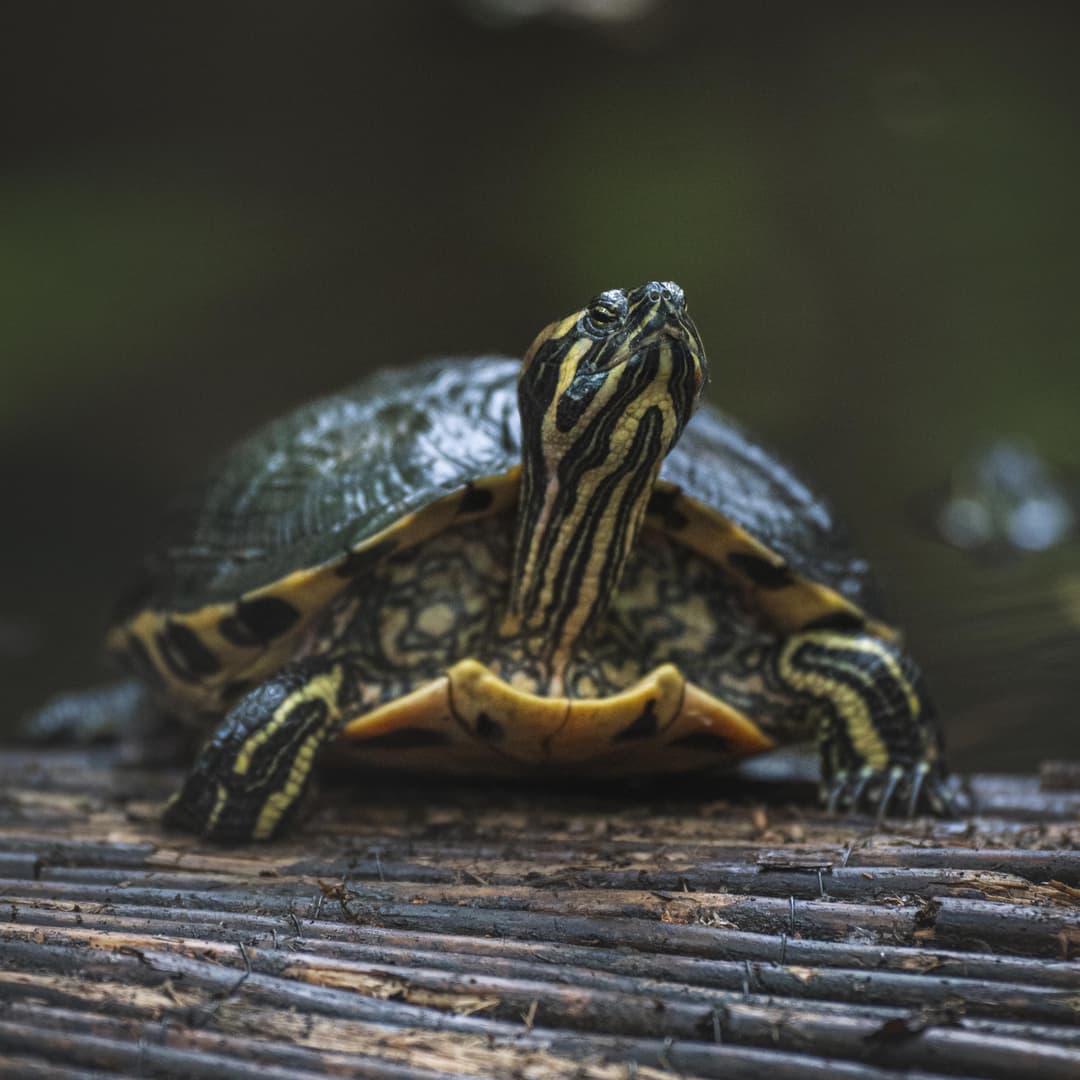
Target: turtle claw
(833,795)
(896,791)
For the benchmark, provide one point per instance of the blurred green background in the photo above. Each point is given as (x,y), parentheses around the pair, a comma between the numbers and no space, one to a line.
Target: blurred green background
(209,213)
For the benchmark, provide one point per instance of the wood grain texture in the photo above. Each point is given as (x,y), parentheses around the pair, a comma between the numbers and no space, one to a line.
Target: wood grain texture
(420,929)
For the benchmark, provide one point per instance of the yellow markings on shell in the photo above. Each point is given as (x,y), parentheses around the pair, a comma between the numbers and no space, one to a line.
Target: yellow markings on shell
(715,536)
(851,706)
(309,589)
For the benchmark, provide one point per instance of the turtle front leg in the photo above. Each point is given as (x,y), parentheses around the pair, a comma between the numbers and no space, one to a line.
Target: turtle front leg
(878,732)
(253,769)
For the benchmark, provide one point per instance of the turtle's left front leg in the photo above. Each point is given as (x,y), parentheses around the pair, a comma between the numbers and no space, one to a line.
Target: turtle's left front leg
(252,770)
(878,732)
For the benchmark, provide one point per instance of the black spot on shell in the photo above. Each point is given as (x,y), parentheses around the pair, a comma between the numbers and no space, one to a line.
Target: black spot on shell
(662,504)
(704,740)
(137,660)
(408,738)
(845,621)
(474,500)
(184,653)
(642,727)
(258,622)
(358,563)
(488,729)
(761,572)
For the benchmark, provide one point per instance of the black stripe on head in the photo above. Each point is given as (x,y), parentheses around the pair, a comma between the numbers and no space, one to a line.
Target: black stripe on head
(577,399)
(536,392)
(571,575)
(684,385)
(647,446)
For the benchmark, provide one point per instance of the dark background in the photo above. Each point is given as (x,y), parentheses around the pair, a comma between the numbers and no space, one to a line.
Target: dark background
(211,212)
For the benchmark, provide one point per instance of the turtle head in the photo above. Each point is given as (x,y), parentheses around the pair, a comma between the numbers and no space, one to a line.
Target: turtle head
(608,364)
(603,394)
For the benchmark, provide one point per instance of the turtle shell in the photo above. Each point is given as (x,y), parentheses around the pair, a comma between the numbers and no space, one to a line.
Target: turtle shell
(302,507)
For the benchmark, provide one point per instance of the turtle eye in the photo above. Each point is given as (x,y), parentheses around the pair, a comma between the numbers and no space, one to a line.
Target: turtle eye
(604,312)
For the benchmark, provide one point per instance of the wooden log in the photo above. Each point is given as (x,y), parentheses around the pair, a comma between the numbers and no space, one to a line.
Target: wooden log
(612,969)
(38,1066)
(340,1048)
(1037,931)
(864,883)
(412,977)
(1035,866)
(1012,928)
(439,930)
(860,870)
(193,1055)
(449,1007)
(906,1043)
(29,900)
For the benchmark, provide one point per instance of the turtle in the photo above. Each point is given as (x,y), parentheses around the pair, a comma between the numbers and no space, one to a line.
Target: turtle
(496,567)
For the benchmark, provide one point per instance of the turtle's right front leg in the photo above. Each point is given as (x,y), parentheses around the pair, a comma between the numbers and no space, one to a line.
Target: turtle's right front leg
(251,772)
(878,733)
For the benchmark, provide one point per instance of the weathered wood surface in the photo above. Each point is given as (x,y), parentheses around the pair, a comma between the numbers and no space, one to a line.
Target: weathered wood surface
(422,930)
